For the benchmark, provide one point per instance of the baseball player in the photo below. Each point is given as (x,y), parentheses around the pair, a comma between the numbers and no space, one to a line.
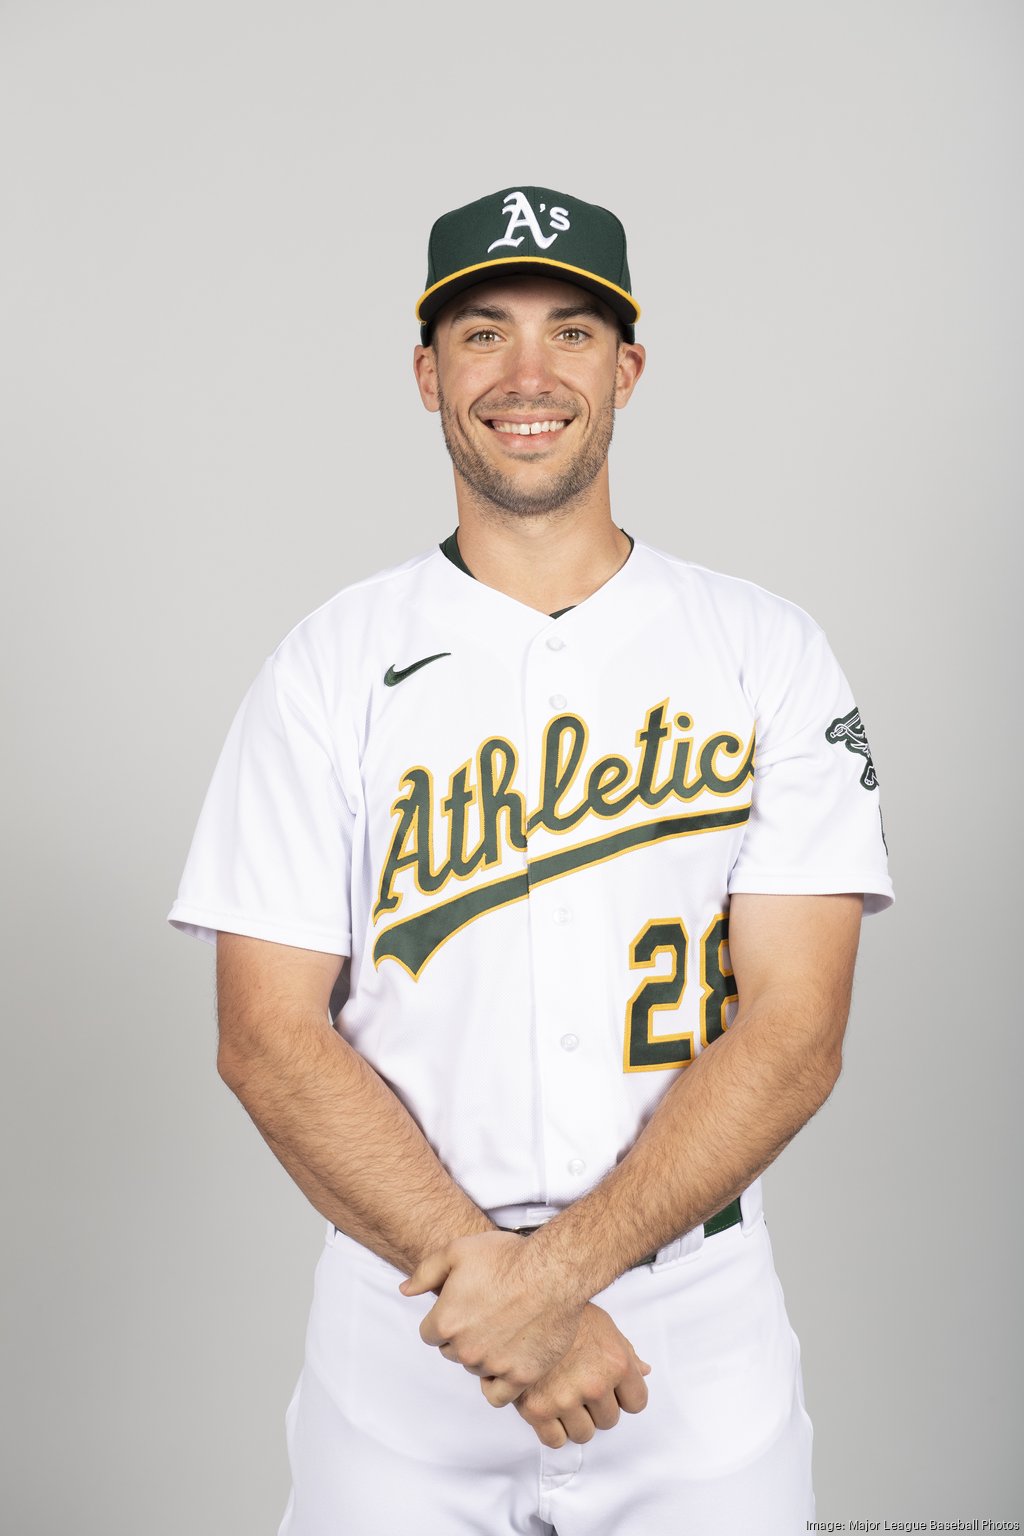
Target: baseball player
(536,867)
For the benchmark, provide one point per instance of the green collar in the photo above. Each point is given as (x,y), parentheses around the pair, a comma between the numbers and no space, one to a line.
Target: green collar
(450,549)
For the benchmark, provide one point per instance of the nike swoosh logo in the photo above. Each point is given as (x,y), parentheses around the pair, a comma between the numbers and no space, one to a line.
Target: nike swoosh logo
(394,675)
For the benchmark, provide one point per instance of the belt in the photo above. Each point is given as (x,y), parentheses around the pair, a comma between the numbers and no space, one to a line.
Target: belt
(729,1217)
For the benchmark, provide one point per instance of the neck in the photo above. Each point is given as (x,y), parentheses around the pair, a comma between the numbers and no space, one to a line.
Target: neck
(549,560)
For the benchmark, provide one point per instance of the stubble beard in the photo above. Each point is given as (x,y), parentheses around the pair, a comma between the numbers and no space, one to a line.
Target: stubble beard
(504,492)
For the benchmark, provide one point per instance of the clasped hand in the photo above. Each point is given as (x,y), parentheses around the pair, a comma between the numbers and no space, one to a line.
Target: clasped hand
(498,1314)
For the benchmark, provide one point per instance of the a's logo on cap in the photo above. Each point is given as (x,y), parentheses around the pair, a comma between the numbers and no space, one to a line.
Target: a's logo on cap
(521,216)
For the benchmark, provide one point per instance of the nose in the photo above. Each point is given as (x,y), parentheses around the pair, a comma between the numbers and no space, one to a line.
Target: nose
(528,370)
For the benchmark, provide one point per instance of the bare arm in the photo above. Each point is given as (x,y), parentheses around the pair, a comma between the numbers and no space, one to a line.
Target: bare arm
(726,1118)
(722,1122)
(360,1158)
(347,1141)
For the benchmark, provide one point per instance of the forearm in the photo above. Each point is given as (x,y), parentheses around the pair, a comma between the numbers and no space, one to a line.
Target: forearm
(506,1308)
(350,1145)
(722,1122)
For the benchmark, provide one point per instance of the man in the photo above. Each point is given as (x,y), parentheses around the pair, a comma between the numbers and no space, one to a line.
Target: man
(500,806)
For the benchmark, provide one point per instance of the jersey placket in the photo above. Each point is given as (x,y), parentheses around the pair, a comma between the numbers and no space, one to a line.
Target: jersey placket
(561,947)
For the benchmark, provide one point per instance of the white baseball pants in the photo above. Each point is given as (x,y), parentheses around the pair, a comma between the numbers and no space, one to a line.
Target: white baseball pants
(387,1438)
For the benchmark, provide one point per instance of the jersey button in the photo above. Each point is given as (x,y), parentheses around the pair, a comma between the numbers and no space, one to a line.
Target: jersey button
(555,643)
(562,915)
(557,701)
(569,1042)
(576,1166)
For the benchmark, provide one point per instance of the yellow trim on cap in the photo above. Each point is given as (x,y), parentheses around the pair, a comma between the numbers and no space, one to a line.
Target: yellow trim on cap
(543,261)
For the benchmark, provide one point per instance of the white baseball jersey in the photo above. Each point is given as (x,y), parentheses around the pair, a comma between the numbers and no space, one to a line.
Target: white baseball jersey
(526,832)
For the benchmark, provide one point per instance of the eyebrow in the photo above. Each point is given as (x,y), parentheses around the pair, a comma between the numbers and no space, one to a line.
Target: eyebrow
(506,317)
(572,311)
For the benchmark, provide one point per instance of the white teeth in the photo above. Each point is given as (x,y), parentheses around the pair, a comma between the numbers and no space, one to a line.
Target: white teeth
(527,428)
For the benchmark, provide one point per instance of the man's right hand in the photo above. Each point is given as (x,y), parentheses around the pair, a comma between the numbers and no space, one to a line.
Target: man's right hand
(600,1376)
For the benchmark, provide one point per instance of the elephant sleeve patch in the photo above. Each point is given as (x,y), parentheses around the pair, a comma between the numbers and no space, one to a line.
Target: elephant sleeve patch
(849,730)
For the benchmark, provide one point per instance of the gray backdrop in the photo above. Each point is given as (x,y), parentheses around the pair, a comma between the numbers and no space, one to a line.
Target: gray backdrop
(215,221)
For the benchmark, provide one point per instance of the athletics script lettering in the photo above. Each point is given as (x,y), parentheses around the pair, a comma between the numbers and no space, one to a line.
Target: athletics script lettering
(482,815)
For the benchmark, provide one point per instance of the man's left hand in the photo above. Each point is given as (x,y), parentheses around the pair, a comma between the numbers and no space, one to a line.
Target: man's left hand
(498,1314)
(601,1375)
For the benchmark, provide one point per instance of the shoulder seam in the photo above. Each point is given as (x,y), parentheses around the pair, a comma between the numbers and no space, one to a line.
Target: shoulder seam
(393,573)
(729,579)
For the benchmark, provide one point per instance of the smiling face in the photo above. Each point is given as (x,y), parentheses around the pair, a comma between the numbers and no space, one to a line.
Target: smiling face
(526,374)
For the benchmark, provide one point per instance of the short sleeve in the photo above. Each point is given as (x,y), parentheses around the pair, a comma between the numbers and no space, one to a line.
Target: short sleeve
(271,855)
(815,825)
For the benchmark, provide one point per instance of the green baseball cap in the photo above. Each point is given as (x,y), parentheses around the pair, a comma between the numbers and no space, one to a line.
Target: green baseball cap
(528,229)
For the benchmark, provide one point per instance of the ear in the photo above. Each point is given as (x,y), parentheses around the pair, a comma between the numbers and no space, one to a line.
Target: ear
(424,366)
(628,368)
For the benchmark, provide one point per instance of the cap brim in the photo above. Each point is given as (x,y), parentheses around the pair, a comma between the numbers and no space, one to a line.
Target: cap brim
(625,307)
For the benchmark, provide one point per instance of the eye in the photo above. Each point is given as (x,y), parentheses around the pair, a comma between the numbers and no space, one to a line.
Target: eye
(484,336)
(574,335)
